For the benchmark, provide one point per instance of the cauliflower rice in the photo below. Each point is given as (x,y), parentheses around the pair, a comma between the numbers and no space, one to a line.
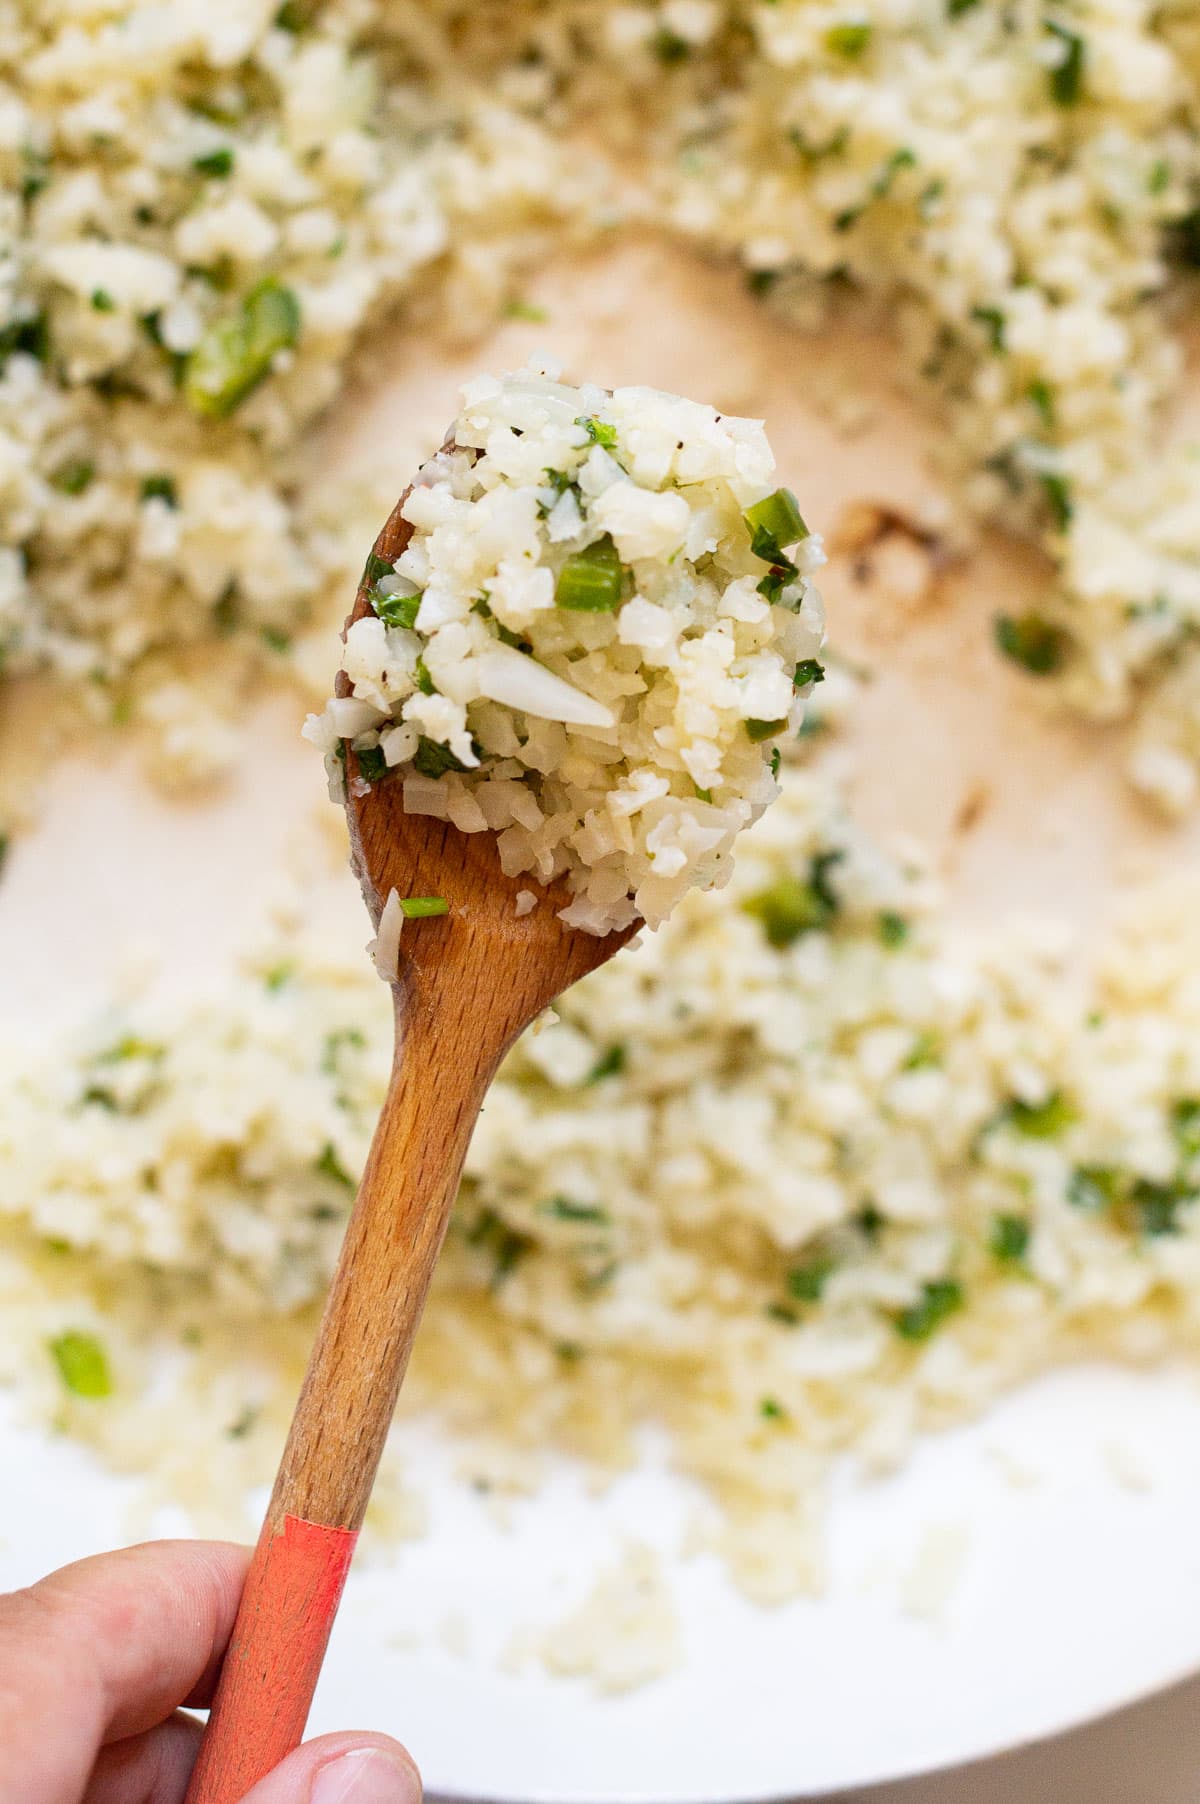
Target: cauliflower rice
(801,1174)
(597,633)
(807,1171)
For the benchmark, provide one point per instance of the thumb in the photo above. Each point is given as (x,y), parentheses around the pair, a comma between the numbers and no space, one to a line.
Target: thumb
(342,1769)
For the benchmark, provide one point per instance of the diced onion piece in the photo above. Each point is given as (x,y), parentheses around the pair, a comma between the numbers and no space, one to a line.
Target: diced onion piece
(385,947)
(509,677)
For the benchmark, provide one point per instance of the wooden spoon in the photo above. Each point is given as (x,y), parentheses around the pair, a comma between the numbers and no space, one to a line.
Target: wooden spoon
(469,983)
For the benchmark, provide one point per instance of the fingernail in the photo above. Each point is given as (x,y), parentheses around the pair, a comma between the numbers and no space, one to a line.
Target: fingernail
(367,1776)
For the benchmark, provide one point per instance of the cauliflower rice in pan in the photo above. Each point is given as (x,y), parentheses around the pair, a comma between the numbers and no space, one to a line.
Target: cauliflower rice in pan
(808,1170)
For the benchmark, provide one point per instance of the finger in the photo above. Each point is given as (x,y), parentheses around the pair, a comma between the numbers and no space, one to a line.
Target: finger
(103,1650)
(342,1769)
(153,1768)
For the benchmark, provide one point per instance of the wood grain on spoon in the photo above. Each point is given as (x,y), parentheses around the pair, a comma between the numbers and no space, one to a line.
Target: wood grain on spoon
(470,981)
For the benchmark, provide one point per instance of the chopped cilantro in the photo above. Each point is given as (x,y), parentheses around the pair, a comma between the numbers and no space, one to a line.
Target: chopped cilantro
(526,310)
(893,929)
(776,762)
(940,1298)
(808,670)
(433,759)
(610,1063)
(1042,396)
(669,47)
(758,730)
(1057,491)
(278,975)
(374,568)
(330,1166)
(591,580)
(372,764)
(1036,644)
(1039,1120)
(1009,1239)
(1066,75)
(75,477)
(334,1042)
(505,1244)
(215,162)
(102,301)
(237,351)
(771,1410)
(806,1282)
(396,610)
(422,678)
(82,1363)
(565,1208)
(993,322)
(850,38)
(275,638)
(774,523)
(792,906)
(599,431)
(160,488)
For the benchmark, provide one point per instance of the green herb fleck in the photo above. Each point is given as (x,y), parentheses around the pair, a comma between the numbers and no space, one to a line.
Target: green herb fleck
(758,730)
(74,478)
(422,678)
(591,581)
(160,488)
(771,1410)
(1039,1120)
(1032,642)
(236,353)
(396,610)
(808,670)
(565,1208)
(334,1042)
(940,1298)
(433,759)
(423,908)
(1057,491)
(276,976)
(1009,1239)
(243,1422)
(993,322)
(806,1282)
(1066,77)
(506,1246)
(30,334)
(776,762)
(599,431)
(850,38)
(372,764)
(330,1166)
(669,47)
(1041,395)
(215,162)
(611,1063)
(275,638)
(774,523)
(792,906)
(102,301)
(893,929)
(82,1364)
(528,311)
(1159,179)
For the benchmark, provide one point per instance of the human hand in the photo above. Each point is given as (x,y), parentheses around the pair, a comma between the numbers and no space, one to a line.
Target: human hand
(96,1659)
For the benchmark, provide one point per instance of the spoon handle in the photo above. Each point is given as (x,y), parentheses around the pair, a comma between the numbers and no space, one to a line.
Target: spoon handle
(341,1422)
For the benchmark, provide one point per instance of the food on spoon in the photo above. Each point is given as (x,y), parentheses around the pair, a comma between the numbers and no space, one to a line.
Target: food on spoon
(599,630)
